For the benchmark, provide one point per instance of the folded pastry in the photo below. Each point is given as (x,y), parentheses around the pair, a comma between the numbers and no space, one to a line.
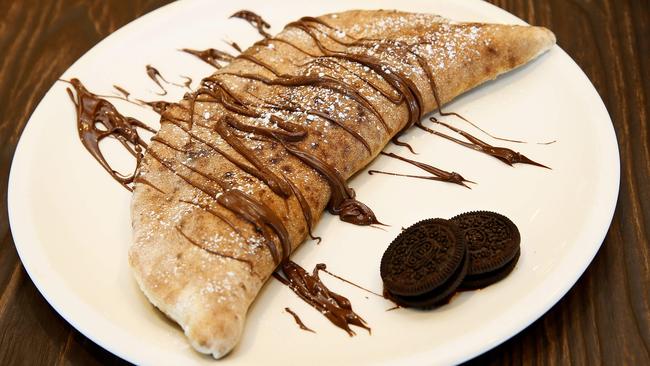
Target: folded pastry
(242,168)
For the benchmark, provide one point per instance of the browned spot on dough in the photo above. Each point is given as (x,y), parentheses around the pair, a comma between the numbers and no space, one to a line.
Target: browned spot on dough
(512,61)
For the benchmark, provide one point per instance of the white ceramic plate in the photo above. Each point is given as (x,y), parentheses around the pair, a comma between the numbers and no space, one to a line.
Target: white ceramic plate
(71,222)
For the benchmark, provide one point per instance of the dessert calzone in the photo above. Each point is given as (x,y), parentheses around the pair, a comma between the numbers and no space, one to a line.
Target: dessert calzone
(242,168)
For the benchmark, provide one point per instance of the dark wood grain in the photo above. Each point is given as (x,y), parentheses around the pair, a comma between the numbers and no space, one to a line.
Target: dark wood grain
(604,319)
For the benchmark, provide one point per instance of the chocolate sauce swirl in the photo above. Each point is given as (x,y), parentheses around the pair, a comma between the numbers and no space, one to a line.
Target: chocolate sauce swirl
(98,119)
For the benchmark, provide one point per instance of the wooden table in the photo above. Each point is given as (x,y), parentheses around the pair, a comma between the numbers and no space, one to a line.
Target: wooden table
(605,318)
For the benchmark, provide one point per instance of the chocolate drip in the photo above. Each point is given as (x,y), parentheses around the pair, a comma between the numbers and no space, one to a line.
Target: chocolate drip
(504,154)
(211,56)
(255,20)
(158,106)
(355,212)
(342,201)
(445,176)
(93,111)
(212,251)
(425,177)
(298,321)
(261,216)
(188,82)
(235,46)
(395,140)
(312,290)
(155,75)
(122,91)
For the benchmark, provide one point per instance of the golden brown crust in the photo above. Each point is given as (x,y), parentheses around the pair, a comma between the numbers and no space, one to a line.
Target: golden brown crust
(201,263)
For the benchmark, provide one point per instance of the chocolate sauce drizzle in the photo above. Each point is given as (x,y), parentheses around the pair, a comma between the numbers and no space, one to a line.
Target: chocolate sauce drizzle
(342,201)
(255,20)
(212,251)
(298,321)
(324,269)
(408,92)
(188,82)
(93,111)
(504,154)
(438,174)
(261,216)
(97,119)
(235,46)
(155,75)
(312,290)
(122,91)
(211,56)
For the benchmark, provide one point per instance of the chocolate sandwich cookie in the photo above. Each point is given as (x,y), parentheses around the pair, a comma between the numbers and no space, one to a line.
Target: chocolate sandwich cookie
(492,245)
(439,295)
(478,281)
(425,264)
